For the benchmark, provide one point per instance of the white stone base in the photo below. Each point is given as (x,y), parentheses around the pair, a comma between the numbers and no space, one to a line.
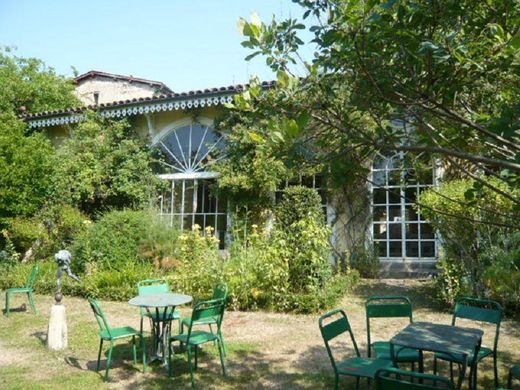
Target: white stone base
(57,330)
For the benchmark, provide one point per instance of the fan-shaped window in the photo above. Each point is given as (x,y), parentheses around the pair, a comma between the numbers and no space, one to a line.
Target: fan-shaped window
(399,230)
(188,151)
(191,148)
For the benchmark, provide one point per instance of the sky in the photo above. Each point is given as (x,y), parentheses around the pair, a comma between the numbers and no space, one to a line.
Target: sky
(187,44)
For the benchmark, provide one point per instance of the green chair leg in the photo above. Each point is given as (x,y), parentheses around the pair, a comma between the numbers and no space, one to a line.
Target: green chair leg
(109,360)
(191,367)
(99,354)
(221,353)
(510,380)
(336,382)
(134,350)
(31,302)
(223,344)
(495,367)
(7,303)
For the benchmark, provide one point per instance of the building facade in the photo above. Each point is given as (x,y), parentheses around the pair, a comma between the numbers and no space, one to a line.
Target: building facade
(180,125)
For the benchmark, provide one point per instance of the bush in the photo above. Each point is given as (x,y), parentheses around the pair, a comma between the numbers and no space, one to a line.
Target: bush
(366,262)
(200,264)
(113,241)
(301,237)
(467,216)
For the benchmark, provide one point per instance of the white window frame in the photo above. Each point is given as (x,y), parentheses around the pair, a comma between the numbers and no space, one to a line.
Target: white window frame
(188,172)
(401,219)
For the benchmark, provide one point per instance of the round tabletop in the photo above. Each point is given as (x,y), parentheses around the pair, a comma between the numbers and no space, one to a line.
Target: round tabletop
(160,300)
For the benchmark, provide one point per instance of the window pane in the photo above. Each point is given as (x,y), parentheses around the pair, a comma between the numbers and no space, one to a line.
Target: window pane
(395,249)
(380,213)
(394,178)
(412,249)
(395,213)
(428,249)
(394,196)
(395,230)
(380,247)
(410,195)
(412,230)
(411,214)
(378,178)
(380,196)
(427,231)
(379,231)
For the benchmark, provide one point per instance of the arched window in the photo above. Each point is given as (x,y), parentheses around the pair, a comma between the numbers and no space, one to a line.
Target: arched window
(399,231)
(189,148)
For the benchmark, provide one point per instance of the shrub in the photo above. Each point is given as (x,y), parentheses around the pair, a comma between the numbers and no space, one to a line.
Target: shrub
(467,216)
(200,264)
(502,274)
(116,284)
(112,241)
(366,262)
(301,238)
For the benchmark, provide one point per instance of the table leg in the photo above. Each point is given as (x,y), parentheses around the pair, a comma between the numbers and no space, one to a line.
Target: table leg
(462,373)
(473,367)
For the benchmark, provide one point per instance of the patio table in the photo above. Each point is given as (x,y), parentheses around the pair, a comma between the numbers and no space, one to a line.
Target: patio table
(448,339)
(164,305)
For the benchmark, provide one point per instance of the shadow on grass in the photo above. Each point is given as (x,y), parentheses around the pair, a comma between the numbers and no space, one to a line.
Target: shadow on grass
(422,293)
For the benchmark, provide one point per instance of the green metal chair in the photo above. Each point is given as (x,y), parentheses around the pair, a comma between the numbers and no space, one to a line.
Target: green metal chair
(396,379)
(27,289)
(390,307)
(156,286)
(107,333)
(203,311)
(220,291)
(482,310)
(334,324)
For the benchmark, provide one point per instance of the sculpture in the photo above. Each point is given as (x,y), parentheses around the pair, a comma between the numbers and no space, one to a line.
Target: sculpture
(63,258)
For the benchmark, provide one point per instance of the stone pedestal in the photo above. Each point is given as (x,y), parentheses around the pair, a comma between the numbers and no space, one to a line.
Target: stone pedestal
(57,330)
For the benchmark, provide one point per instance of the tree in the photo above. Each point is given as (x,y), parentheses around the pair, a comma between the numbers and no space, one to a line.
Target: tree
(27,161)
(436,77)
(104,165)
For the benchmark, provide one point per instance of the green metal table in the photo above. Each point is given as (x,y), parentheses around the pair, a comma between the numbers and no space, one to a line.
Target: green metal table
(164,305)
(448,339)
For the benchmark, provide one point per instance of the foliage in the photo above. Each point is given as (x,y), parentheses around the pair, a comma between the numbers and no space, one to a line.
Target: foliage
(27,160)
(50,230)
(27,84)
(26,169)
(502,275)
(113,240)
(366,262)
(410,76)
(470,227)
(201,265)
(104,165)
(302,238)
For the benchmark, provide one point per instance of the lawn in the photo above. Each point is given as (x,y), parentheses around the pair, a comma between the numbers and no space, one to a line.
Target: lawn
(265,350)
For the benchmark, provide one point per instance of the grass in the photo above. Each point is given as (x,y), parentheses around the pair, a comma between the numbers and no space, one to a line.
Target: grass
(265,350)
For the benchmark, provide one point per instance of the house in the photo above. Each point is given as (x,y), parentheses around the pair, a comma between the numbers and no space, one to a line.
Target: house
(181,126)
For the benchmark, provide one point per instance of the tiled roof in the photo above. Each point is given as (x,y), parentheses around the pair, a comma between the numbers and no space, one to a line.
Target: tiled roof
(131,79)
(121,108)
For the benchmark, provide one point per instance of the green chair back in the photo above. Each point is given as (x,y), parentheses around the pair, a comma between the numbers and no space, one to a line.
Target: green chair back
(386,307)
(220,291)
(204,310)
(152,286)
(31,279)
(483,310)
(100,316)
(332,325)
(396,379)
